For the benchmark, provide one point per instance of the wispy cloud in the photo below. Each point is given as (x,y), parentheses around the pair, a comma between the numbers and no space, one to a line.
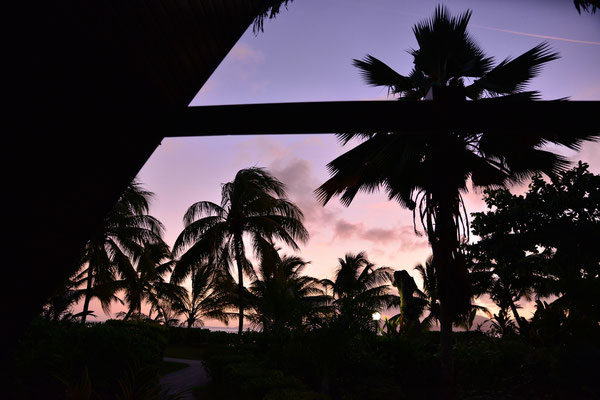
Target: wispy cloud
(403,238)
(244,53)
(489,28)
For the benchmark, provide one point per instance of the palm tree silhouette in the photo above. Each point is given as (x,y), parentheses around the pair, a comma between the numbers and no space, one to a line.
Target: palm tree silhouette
(149,284)
(204,300)
(284,299)
(109,257)
(253,204)
(428,172)
(430,292)
(430,295)
(359,289)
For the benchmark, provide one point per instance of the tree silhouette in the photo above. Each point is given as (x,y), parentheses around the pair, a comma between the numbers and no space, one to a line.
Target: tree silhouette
(411,303)
(544,242)
(589,6)
(109,257)
(203,300)
(149,284)
(428,172)
(282,298)
(253,204)
(359,289)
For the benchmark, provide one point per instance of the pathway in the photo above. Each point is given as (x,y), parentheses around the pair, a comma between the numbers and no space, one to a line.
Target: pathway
(183,380)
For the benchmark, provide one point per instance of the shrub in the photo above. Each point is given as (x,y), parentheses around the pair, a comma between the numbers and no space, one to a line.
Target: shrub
(57,359)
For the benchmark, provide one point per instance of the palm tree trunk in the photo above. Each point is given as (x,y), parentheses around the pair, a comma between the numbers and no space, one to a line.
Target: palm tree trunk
(88,295)
(239,258)
(447,387)
(444,245)
(513,308)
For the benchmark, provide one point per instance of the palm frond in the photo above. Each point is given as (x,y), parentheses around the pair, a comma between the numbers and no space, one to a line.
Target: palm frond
(377,73)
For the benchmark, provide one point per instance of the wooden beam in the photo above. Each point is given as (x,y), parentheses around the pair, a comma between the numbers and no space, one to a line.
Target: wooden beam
(399,116)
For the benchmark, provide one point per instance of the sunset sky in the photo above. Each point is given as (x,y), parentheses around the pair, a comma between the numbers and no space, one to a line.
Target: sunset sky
(305,54)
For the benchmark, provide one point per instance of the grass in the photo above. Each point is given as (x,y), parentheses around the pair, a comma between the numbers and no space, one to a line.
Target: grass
(186,352)
(166,367)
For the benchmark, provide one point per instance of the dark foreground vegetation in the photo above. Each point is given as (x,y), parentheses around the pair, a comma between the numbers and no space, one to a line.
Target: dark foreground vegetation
(116,359)
(122,360)
(318,338)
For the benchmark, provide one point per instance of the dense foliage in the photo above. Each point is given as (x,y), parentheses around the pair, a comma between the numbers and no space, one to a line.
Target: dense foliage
(543,243)
(103,361)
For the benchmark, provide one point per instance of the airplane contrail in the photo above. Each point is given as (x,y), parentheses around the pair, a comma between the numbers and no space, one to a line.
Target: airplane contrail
(536,35)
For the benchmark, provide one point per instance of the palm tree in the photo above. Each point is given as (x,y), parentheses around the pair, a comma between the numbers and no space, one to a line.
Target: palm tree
(253,204)
(428,172)
(204,300)
(117,245)
(359,290)
(59,306)
(149,284)
(430,292)
(282,298)
(430,295)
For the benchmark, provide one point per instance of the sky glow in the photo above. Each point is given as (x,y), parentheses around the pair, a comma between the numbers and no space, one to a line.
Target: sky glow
(305,54)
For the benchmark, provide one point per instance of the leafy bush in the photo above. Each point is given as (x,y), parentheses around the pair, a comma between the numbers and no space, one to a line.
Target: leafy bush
(57,359)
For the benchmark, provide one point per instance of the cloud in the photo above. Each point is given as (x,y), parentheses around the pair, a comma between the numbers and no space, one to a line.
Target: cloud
(258,150)
(345,230)
(242,52)
(379,235)
(298,176)
(408,240)
(403,238)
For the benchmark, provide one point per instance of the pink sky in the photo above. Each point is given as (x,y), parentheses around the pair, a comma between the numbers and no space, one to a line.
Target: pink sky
(305,55)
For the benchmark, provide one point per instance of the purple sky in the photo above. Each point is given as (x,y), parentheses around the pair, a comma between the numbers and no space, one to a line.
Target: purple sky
(305,54)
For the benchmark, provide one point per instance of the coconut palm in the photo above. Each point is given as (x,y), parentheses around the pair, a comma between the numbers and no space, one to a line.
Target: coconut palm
(109,257)
(429,172)
(359,289)
(149,284)
(283,299)
(204,300)
(430,295)
(60,306)
(253,204)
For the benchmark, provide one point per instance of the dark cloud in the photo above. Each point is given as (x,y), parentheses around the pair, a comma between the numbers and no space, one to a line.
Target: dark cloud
(298,176)
(379,235)
(344,229)
(402,238)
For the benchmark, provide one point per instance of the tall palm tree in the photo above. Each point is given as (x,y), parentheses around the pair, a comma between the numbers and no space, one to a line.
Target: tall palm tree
(428,172)
(149,282)
(284,299)
(109,257)
(253,204)
(430,292)
(359,289)
(204,300)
